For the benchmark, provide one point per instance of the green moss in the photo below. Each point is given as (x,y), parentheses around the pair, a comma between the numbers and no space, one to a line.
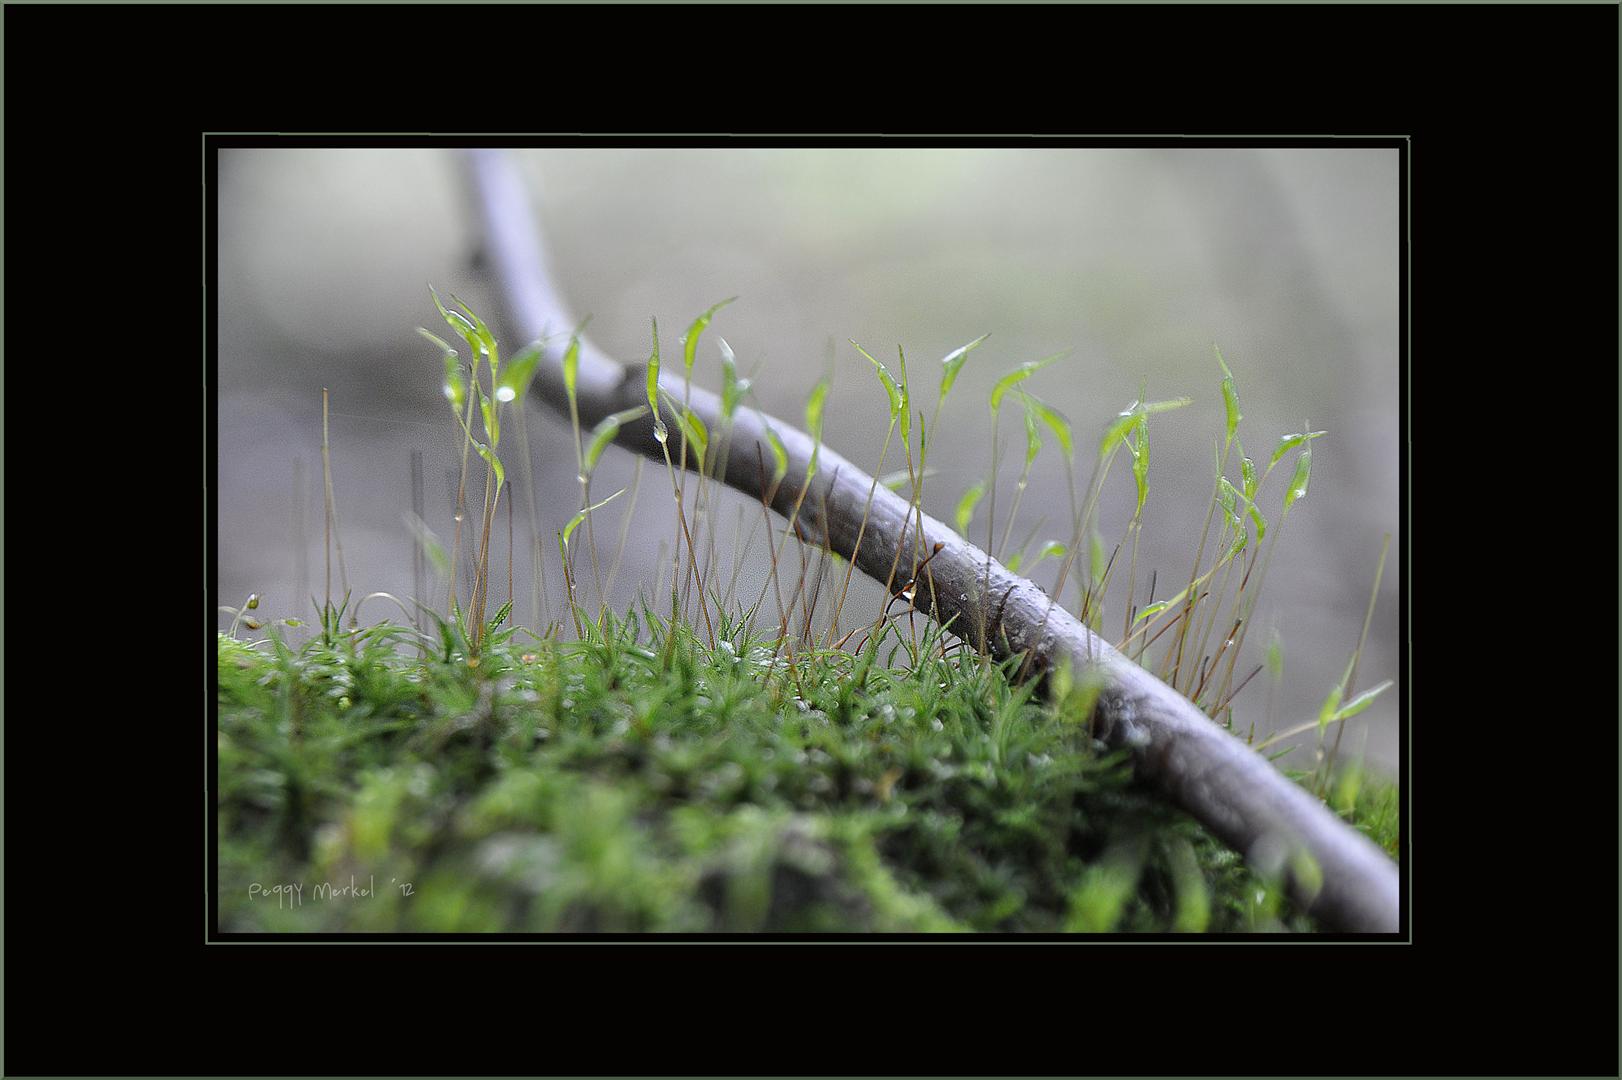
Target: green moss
(619,785)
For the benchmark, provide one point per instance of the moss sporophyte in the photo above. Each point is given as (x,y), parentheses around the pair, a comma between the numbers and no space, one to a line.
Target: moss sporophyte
(693,760)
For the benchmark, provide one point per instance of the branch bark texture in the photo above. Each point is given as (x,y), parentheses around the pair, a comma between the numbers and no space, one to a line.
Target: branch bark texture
(1334,871)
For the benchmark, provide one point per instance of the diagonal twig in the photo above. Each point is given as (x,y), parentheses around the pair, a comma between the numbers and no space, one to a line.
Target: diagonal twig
(1331,869)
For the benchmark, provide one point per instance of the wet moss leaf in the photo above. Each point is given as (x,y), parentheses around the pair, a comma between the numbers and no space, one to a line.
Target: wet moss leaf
(1326,711)
(966,505)
(659,429)
(906,399)
(1157,607)
(444,346)
(779,455)
(1019,375)
(1161,605)
(1275,653)
(455,388)
(515,379)
(458,322)
(1115,434)
(1361,701)
(813,410)
(1289,442)
(1230,397)
(489,455)
(952,363)
(571,366)
(1298,483)
(813,423)
(606,431)
(1033,437)
(1053,549)
(891,390)
(580,515)
(481,331)
(896,480)
(1140,462)
(1154,407)
(694,431)
(1261,522)
(1056,423)
(487,412)
(690,341)
(1228,496)
(732,388)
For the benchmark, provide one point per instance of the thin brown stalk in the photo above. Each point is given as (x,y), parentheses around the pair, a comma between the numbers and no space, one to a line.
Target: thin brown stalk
(1357,656)
(1199,557)
(792,527)
(709,628)
(481,582)
(540,602)
(301,555)
(1249,607)
(991,529)
(419,583)
(1228,701)
(914,508)
(625,525)
(461,505)
(1217,659)
(740,555)
(1215,607)
(767,492)
(334,537)
(850,567)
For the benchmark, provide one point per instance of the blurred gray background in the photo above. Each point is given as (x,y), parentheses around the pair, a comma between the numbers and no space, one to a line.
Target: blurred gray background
(1136,259)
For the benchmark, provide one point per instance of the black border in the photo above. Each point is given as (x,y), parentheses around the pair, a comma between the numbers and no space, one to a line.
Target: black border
(1512,109)
(213,143)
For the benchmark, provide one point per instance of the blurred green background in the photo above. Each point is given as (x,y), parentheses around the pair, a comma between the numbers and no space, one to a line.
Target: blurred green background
(1136,259)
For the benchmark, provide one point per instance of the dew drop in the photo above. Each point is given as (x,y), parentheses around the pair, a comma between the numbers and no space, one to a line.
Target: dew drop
(505,393)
